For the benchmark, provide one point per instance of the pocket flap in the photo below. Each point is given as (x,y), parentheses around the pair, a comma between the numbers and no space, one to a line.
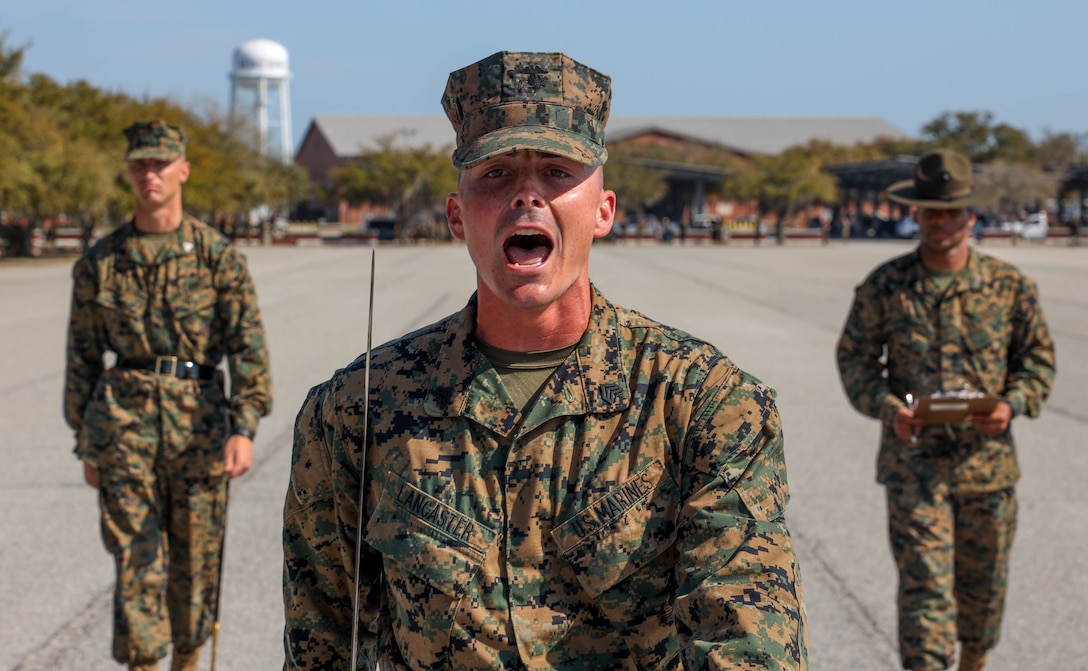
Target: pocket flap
(622,531)
(427,537)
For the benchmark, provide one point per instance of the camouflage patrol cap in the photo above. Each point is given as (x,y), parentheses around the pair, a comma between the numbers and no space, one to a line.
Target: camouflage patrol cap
(520,100)
(155,140)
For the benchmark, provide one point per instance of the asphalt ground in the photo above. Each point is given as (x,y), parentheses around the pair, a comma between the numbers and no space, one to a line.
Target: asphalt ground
(776,311)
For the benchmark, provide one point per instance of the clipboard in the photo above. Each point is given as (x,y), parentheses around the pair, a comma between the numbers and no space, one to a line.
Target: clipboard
(953,408)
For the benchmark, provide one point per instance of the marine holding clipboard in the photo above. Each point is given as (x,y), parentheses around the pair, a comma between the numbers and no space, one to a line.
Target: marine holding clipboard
(936,329)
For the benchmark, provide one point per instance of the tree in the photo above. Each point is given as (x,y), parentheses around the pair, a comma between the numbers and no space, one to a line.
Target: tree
(784,184)
(975,135)
(61,149)
(1058,151)
(1019,186)
(1009,144)
(409,181)
(637,186)
(966,132)
(15,174)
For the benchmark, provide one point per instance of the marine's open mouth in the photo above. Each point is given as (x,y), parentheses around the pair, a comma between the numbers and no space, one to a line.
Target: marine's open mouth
(527,248)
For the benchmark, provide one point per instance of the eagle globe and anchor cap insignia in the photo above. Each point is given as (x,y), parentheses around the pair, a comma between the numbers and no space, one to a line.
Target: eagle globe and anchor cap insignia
(533,79)
(544,101)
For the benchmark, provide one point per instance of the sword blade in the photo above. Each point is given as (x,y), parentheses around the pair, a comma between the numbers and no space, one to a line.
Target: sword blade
(362,473)
(219,578)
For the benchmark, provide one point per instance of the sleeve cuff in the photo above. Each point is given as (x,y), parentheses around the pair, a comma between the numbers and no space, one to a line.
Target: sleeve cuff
(889,408)
(244,421)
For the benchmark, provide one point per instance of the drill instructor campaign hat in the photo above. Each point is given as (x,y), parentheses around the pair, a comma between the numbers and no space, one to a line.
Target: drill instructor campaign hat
(528,100)
(155,140)
(942,181)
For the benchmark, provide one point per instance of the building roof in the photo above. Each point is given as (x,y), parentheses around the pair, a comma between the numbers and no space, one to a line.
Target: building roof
(874,175)
(348,135)
(759,135)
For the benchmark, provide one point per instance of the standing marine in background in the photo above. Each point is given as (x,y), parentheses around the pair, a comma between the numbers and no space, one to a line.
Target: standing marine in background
(947,318)
(169,298)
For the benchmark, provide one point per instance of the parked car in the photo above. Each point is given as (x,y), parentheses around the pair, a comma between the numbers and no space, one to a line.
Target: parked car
(647,226)
(704,226)
(1034,227)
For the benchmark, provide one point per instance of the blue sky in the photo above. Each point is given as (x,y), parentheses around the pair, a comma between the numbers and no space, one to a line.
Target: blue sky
(904,62)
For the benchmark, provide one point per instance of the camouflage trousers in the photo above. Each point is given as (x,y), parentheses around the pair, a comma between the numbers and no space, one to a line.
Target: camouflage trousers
(163,521)
(952,552)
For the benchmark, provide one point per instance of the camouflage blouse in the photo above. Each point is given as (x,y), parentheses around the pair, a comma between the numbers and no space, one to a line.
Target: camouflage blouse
(632,518)
(195,300)
(985,333)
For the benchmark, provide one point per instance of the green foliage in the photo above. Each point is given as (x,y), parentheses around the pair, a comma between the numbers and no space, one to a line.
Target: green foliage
(1058,151)
(1024,173)
(62,149)
(638,187)
(977,136)
(786,183)
(410,181)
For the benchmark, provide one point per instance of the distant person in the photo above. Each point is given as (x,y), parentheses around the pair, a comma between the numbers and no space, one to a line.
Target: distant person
(846,224)
(550,481)
(946,318)
(170,297)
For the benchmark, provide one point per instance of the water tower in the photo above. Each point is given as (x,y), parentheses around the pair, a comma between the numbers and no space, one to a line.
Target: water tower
(260,72)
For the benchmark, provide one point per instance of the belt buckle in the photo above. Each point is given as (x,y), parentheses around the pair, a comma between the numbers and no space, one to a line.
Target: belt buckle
(171,365)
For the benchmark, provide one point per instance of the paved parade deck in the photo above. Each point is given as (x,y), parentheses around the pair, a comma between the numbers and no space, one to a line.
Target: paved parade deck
(776,311)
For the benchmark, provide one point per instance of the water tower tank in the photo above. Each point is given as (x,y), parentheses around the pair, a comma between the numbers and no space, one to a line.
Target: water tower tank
(261,58)
(260,70)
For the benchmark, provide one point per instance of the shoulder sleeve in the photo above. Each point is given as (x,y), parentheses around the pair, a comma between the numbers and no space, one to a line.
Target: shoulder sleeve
(740,584)
(858,355)
(320,527)
(245,342)
(1031,354)
(86,344)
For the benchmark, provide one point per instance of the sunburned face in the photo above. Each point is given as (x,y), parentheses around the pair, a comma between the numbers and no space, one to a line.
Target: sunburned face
(529,220)
(157,182)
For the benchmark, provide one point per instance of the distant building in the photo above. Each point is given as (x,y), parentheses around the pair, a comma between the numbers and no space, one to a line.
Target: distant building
(333,140)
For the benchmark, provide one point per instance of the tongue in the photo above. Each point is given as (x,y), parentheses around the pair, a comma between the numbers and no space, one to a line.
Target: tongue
(527,257)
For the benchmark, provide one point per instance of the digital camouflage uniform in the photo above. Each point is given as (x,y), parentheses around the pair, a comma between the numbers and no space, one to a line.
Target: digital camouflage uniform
(633,518)
(156,440)
(951,506)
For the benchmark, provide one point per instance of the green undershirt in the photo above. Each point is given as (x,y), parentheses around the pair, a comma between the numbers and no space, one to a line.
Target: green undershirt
(524,373)
(155,241)
(942,278)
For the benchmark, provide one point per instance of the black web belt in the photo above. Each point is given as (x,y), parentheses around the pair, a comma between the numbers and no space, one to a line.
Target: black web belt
(169,365)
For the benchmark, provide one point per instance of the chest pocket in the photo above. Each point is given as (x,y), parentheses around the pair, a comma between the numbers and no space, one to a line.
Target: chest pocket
(124,292)
(191,299)
(986,328)
(908,327)
(986,335)
(621,531)
(432,552)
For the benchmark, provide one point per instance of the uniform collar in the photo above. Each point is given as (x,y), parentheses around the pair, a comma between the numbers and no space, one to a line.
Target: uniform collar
(592,380)
(179,245)
(974,276)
